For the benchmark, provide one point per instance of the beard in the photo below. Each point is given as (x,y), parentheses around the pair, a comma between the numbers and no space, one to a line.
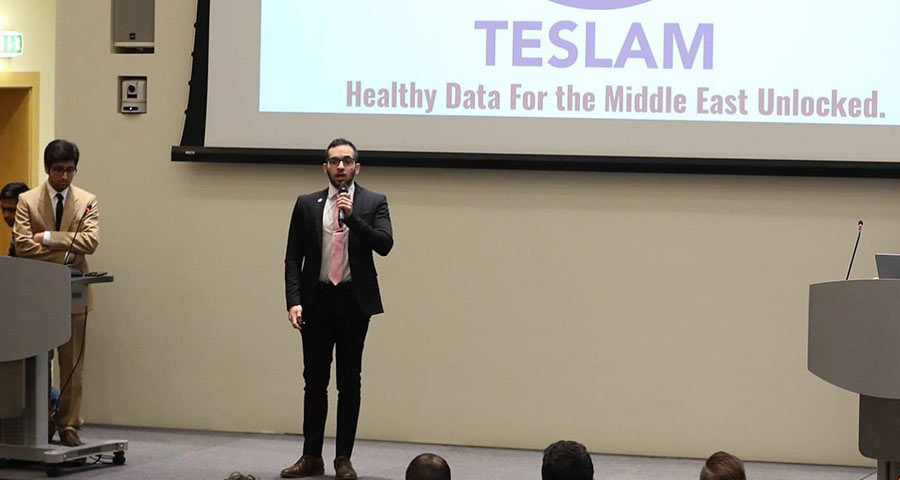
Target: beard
(348,179)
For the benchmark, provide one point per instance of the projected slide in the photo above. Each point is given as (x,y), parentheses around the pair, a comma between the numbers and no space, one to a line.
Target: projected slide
(771,61)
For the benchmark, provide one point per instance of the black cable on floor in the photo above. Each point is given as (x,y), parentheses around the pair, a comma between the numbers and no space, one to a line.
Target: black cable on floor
(62,390)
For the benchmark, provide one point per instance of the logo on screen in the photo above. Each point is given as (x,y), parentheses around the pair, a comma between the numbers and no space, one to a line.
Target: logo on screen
(600,4)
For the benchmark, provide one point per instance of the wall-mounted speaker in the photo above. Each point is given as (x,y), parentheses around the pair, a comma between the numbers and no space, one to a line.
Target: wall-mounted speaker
(133,26)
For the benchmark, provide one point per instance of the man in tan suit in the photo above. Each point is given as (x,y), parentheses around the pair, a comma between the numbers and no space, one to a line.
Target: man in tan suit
(46,220)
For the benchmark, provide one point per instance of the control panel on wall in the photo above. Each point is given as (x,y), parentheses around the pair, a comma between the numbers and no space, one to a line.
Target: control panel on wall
(133,26)
(132,94)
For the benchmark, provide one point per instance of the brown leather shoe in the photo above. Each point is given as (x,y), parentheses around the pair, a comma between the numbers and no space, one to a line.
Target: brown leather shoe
(343,469)
(68,436)
(307,466)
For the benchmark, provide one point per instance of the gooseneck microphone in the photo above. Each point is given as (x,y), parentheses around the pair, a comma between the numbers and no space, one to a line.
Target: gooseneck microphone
(78,229)
(342,189)
(859,225)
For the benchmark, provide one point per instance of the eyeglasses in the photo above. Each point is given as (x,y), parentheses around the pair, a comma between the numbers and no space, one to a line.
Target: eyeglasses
(335,161)
(61,170)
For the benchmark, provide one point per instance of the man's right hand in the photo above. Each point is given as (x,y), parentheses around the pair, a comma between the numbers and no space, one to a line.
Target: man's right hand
(295,316)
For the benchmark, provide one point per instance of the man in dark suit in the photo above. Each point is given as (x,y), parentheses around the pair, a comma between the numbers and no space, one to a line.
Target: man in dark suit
(332,290)
(9,197)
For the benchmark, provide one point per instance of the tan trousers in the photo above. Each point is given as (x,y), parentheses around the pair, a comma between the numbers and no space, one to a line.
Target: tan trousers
(69,412)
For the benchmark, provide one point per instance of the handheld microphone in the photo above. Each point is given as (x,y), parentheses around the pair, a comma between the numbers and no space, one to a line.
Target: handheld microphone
(77,229)
(342,189)
(859,225)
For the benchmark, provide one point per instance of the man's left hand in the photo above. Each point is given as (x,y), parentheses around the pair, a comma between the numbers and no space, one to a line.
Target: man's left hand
(345,203)
(38,237)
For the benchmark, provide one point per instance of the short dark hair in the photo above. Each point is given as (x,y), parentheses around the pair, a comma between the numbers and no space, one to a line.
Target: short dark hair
(13,190)
(567,460)
(428,466)
(337,142)
(60,150)
(723,466)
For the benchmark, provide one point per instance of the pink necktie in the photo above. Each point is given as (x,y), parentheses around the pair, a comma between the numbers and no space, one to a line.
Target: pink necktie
(336,256)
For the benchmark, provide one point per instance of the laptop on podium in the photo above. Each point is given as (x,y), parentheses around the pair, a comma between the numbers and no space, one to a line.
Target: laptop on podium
(888,265)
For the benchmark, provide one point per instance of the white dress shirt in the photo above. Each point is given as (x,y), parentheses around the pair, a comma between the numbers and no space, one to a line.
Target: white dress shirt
(45,240)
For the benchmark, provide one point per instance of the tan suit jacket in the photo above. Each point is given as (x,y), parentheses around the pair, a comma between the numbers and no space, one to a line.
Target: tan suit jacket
(35,214)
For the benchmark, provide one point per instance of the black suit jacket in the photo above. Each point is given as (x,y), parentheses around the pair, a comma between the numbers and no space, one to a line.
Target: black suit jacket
(369,230)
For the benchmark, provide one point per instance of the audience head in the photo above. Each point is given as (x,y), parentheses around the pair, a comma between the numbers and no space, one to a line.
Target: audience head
(567,460)
(9,196)
(723,466)
(60,163)
(428,466)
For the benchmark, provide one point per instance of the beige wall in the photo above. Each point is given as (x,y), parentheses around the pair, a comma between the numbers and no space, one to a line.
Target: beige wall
(36,19)
(639,313)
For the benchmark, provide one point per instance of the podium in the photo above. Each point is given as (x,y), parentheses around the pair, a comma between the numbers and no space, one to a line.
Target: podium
(36,301)
(854,344)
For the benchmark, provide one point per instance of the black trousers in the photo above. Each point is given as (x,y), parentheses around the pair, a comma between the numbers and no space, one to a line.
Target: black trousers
(336,324)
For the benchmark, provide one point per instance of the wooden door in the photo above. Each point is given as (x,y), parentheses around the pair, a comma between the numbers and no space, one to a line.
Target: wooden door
(18,134)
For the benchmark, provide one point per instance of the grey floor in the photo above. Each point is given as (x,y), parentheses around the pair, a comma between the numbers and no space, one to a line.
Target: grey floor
(176,454)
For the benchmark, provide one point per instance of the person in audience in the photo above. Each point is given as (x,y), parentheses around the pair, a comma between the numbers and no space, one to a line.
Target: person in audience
(567,460)
(428,466)
(9,197)
(723,466)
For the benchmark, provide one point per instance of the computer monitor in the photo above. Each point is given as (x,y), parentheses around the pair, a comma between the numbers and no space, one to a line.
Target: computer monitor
(888,265)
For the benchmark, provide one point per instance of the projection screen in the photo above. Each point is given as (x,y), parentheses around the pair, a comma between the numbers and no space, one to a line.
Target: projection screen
(695,82)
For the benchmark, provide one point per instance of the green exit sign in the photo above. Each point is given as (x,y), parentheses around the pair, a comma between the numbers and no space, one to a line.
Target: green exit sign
(10,44)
